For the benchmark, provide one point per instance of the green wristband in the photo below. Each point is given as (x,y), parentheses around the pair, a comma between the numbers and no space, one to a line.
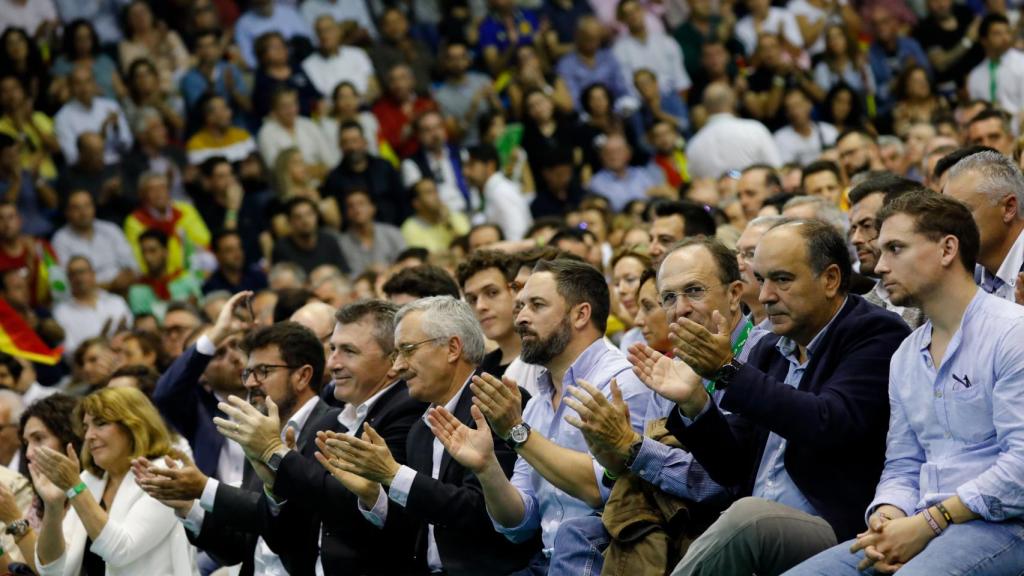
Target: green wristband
(75,490)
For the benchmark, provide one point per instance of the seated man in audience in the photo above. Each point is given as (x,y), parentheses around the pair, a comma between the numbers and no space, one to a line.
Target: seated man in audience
(419,282)
(805,439)
(87,112)
(307,245)
(435,158)
(673,221)
(447,509)
(993,186)
(179,221)
(484,235)
(218,136)
(486,278)
(695,266)
(745,246)
(361,170)
(232,274)
(822,179)
(619,182)
(155,288)
(866,199)
(366,243)
(433,225)
(284,369)
(953,464)
(103,242)
(91,310)
(502,200)
(562,312)
(991,128)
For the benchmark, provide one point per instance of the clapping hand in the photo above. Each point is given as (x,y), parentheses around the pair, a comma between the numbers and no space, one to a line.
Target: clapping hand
(327,456)
(473,448)
(369,457)
(672,380)
(499,401)
(258,435)
(63,470)
(181,483)
(605,425)
(698,347)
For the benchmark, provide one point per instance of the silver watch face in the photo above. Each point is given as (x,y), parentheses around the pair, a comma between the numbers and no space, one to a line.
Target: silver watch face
(520,433)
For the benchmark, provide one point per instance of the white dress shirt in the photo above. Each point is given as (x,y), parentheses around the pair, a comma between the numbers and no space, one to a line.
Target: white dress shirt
(730,143)
(274,138)
(265,561)
(402,484)
(1009,83)
(107,250)
(81,321)
(505,205)
(444,177)
(349,63)
(231,462)
(657,52)
(74,119)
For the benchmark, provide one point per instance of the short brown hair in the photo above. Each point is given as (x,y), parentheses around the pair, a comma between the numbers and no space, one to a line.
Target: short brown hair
(936,216)
(134,413)
(482,260)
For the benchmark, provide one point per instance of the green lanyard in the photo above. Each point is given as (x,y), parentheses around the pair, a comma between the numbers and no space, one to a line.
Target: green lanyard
(993,69)
(737,347)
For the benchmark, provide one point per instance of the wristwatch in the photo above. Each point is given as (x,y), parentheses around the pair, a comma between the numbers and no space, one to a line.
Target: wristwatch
(518,435)
(634,451)
(17,529)
(724,375)
(275,461)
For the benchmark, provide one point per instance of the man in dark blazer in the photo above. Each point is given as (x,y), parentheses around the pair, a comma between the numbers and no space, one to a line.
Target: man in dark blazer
(187,393)
(232,524)
(440,345)
(318,508)
(804,438)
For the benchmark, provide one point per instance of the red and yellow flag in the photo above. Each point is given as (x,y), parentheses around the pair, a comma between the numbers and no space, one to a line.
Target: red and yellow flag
(18,339)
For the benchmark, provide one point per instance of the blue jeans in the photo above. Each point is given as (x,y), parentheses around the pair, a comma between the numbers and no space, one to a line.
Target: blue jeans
(973,548)
(579,547)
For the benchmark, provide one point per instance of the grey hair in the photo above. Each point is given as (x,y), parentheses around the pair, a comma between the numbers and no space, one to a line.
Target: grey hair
(823,210)
(894,141)
(148,176)
(444,317)
(765,221)
(288,268)
(381,312)
(998,176)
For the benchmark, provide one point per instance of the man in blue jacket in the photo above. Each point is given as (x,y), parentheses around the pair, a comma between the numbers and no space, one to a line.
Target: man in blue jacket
(800,431)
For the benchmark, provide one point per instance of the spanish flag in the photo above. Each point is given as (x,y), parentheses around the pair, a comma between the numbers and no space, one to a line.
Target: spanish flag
(18,339)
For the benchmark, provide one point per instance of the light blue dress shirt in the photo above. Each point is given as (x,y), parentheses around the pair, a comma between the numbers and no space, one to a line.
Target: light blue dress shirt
(545,506)
(959,428)
(773,481)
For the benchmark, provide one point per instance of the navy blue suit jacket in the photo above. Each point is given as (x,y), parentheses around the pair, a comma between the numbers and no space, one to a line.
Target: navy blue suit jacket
(190,408)
(835,421)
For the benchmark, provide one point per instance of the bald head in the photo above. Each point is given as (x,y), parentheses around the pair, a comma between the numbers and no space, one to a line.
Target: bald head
(718,98)
(316,316)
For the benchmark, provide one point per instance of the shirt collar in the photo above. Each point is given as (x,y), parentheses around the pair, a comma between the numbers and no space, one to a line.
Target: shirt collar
(299,418)
(355,413)
(788,347)
(1012,264)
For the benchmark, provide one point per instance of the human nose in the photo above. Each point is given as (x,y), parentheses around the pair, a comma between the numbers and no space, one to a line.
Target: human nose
(767,294)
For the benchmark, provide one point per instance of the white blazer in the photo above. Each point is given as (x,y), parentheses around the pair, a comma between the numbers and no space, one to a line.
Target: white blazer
(142,536)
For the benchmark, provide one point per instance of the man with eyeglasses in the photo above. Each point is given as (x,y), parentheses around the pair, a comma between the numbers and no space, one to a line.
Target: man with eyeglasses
(867,199)
(234,524)
(699,281)
(804,440)
(560,317)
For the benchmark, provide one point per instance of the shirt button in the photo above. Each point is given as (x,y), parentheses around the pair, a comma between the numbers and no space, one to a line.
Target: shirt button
(643,474)
(938,393)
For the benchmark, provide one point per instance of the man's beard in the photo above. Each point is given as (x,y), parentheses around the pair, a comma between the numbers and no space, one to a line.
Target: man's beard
(540,351)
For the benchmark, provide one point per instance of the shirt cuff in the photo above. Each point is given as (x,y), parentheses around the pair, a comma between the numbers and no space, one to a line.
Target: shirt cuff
(650,460)
(687,421)
(604,490)
(273,503)
(401,485)
(903,500)
(988,508)
(194,520)
(209,494)
(379,514)
(205,346)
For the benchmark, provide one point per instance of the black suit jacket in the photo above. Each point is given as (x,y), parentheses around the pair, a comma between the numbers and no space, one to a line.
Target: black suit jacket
(835,421)
(454,503)
(241,515)
(190,408)
(351,544)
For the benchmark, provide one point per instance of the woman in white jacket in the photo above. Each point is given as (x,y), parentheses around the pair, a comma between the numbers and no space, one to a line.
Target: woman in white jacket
(99,522)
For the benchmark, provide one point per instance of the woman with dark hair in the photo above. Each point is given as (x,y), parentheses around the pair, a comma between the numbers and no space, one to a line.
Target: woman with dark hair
(19,55)
(46,422)
(843,109)
(144,91)
(81,47)
(149,38)
(275,72)
(844,62)
(599,121)
(916,100)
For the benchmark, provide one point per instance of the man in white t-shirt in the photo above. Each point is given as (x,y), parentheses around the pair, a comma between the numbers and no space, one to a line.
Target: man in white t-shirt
(764,18)
(334,63)
(802,140)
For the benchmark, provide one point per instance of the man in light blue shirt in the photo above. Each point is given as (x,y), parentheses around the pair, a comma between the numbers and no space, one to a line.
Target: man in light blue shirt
(618,181)
(560,315)
(955,448)
(590,64)
(268,16)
